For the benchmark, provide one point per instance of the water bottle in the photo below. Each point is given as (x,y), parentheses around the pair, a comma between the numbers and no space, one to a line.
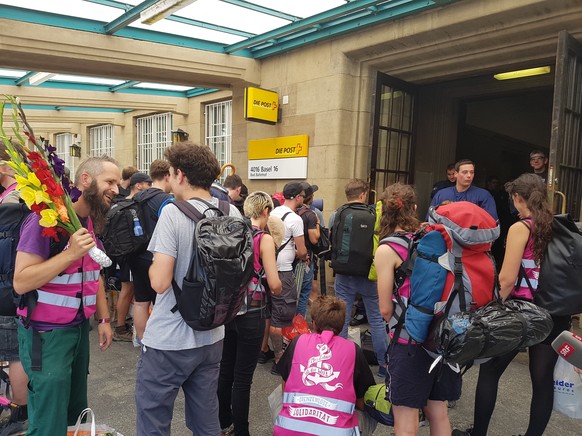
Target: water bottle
(137,229)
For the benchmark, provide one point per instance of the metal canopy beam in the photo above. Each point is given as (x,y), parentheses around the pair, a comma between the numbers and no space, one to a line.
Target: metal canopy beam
(304,23)
(342,25)
(124,85)
(93,26)
(262,9)
(22,80)
(128,17)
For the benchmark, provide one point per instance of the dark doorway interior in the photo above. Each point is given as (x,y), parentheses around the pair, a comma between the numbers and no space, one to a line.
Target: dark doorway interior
(499,132)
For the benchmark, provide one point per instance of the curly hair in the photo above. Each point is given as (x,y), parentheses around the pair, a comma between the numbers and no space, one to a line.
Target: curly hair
(533,190)
(398,209)
(197,162)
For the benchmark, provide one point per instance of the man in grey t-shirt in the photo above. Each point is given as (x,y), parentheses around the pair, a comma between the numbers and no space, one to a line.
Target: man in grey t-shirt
(173,355)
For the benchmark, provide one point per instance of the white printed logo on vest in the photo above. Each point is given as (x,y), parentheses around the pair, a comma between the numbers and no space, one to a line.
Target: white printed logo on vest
(301,412)
(319,372)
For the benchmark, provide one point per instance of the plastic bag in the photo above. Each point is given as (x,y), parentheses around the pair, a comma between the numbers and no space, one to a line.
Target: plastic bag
(90,428)
(492,330)
(567,390)
(298,327)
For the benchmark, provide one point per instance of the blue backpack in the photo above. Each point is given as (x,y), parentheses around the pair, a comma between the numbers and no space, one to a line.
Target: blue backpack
(427,281)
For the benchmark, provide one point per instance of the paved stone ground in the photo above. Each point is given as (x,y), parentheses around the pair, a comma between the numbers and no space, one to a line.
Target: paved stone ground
(112,382)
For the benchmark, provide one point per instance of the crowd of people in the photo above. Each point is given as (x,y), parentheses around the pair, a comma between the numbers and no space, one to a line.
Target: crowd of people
(324,375)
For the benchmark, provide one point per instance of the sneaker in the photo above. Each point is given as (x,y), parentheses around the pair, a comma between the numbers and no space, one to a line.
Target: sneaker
(457,432)
(381,372)
(17,428)
(227,431)
(265,356)
(274,370)
(123,336)
(358,319)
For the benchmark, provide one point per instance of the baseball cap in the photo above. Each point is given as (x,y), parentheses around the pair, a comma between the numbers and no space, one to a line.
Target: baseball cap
(139,178)
(293,189)
(309,191)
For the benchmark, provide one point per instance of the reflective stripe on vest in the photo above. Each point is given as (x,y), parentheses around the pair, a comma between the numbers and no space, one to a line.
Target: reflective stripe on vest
(529,263)
(318,401)
(58,300)
(75,278)
(296,425)
(89,300)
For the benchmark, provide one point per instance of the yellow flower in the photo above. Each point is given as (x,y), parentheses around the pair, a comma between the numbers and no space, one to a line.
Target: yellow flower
(27,194)
(22,182)
(48,218)
(33,180)
(42,196)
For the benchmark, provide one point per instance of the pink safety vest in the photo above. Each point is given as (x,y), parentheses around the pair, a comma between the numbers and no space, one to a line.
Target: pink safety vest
(59,300)
(531,267)
(319,397)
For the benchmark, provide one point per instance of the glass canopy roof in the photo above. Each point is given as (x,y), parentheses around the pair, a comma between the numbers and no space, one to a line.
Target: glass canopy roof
(256,29)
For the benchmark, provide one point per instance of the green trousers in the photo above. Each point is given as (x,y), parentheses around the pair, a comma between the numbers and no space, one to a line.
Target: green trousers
(58,393)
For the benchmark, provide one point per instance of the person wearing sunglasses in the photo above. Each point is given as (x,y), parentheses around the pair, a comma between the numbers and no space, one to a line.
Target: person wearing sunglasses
(539,163)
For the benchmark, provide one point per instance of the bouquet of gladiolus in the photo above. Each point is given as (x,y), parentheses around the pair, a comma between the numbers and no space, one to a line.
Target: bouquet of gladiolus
(41,180)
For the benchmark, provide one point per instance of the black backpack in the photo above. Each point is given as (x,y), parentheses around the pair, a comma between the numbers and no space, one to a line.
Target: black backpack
(560,283)
(323,246)
(352,239)
(127,226)
(12,216)
(220,268)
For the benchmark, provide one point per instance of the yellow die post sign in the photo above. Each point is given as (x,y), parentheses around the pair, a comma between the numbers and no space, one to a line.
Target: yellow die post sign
(261,105)
(278,158)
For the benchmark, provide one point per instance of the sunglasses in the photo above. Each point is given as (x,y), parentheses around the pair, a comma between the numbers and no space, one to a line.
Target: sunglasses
(536,158)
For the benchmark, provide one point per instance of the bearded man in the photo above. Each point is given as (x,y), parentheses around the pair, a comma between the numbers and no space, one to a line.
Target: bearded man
(54,338)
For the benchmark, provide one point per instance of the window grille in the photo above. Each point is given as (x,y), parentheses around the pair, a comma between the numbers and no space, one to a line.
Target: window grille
(63,144)
(101,140)
(219,131)
(154,134)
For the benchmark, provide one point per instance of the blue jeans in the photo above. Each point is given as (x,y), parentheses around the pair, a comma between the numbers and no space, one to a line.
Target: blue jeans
(306,286)
(346,288)
(242,342)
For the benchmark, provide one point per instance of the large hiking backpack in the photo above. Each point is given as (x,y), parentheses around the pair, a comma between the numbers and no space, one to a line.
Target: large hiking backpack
(12,215)
(220,268)
(352,239)
(449,265)
(128,228)
(560,283)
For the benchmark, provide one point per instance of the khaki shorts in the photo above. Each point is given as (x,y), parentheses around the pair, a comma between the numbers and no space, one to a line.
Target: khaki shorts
(284,305)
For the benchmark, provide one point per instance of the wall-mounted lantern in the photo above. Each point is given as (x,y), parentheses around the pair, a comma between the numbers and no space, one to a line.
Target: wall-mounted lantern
(75,150)
(179,136)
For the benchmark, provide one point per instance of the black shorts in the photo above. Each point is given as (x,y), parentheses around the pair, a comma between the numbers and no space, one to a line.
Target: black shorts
(410,384)
(8,339)
(143,292)
(284,306)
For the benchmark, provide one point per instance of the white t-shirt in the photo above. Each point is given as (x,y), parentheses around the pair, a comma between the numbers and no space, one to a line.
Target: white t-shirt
(293,228)
(173,235)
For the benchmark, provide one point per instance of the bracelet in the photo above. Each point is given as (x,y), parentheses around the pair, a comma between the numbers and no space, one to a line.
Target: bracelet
(104,321)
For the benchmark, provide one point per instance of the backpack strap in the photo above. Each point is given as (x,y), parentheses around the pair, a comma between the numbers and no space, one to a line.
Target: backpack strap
(278,250)
(190,211)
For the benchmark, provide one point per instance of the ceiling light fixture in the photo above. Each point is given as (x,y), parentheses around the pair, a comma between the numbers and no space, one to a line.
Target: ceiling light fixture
(39,78)
(523,73)
(162,9)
